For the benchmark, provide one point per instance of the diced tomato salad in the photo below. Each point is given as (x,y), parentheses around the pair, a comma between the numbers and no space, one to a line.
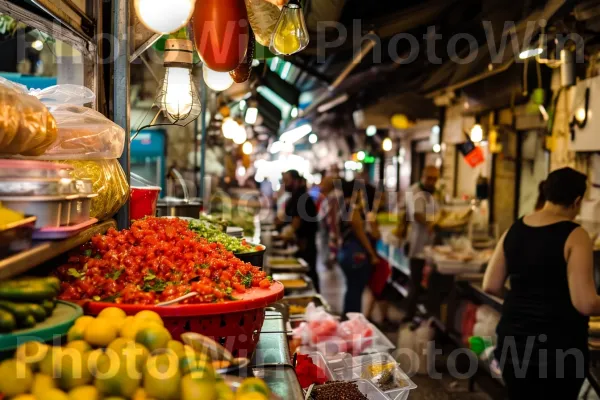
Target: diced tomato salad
(156,260)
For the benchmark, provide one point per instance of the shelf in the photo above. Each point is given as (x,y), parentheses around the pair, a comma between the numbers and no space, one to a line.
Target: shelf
(44,251)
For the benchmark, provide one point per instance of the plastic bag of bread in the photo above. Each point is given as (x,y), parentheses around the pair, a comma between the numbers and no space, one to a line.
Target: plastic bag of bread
(83,134)
(26,125)
(108,180)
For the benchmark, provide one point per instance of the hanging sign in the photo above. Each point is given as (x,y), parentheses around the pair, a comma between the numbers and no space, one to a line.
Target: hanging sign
(472,154)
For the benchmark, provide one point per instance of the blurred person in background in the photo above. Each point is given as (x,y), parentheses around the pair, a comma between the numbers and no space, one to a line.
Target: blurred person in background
(357,256)
(542,341)
(300,222)
(421,206)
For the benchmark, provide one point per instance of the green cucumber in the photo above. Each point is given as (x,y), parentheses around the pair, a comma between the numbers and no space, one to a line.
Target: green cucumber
(28,322)
(49,306)
(51,281)
(30,292)
(7,321)
(37,311)
(19,310)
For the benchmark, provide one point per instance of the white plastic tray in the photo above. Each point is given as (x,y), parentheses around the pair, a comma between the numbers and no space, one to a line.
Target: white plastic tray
(348,368)
(369,390)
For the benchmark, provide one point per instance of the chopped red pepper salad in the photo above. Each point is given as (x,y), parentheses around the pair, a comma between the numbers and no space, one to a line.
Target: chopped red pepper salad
(156,260)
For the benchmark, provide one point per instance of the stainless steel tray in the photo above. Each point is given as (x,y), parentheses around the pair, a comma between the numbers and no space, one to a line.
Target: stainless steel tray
(294,265)
(286,276)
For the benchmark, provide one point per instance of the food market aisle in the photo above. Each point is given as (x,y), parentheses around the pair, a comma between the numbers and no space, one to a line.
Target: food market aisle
(332,289)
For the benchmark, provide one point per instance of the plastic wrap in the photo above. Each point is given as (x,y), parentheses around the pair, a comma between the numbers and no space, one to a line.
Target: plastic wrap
(263,17)
(26,125)
(109,182)
(83,134)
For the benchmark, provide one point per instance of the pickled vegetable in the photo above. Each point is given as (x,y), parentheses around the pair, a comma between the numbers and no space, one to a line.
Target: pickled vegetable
(108,180)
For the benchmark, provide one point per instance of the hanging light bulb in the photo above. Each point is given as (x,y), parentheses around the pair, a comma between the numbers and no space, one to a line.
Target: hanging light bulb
(247,148)
(229,127)
(217,81)
(240,135)
(476,133)
(164,16)
(177,96)
(387,144)
(290,34)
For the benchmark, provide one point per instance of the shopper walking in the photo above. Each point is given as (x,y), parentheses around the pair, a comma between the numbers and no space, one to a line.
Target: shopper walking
(356,256)
(300,222)
(421,206)
(548,260)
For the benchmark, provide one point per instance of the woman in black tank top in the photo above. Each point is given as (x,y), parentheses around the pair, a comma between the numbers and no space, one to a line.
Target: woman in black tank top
(547,258)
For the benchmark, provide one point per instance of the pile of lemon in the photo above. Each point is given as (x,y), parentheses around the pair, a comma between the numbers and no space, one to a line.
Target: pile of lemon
(114,357)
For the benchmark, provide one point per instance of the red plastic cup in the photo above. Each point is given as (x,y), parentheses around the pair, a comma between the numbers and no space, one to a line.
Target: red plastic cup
(143,201)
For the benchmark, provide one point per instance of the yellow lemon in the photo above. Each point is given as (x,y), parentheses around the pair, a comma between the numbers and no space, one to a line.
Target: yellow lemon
(53,394)
(47,364)
(76,332)
(177,347)
(147,315)
(118,344)
(80,345)
(31,353)
(134,355)
(192,389)
(112,313)
(162,377)
(41,384)
(250,396)
(99,334)
(73,369)
(224,391)
(83,321)
(140,394)
(15,378)
(127,321)
(254,385)
(114,379)
(154,337)
(24,397)
(87,392)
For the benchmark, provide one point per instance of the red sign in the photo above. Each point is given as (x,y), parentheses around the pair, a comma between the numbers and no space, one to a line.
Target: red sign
(475,157)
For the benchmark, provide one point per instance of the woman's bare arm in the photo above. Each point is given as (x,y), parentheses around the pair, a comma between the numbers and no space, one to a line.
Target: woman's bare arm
(580,272)
(495,274)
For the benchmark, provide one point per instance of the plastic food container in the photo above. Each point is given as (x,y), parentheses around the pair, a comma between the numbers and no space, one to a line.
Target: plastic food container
(319,361)
(369,390)
(81,206)
(47,209)
(36,186)
(33,169)
(143,201)
(371,368)
(16,237)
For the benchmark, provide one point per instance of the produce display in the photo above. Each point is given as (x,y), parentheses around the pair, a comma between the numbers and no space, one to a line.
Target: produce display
(114,356)
(24,302)
(156,260)
(215,235)
(321,328)
(108,181)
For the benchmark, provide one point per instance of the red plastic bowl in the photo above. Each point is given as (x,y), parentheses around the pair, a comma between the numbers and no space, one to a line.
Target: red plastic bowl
(143,201)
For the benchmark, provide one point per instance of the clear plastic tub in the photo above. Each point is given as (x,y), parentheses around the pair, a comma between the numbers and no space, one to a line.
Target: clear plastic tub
(369,390)
(371,367)
(319,361)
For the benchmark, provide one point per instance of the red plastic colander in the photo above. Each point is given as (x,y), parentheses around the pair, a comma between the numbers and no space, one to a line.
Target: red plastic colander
(234,324)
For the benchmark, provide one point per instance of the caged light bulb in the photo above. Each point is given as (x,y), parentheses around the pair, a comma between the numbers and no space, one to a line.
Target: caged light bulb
(217,81)
(290,34)
(178,88)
